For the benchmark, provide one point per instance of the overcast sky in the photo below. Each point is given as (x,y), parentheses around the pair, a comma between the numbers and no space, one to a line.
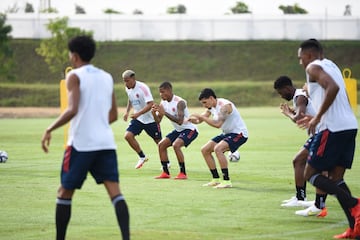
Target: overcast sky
(194,7)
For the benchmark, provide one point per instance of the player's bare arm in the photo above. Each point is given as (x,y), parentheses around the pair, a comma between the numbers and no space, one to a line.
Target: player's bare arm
(197,118)
(317,74)
(128,107)
(301,103)
(142,111)
(73,90)
(179,119)
(155,111)
(113,114)
(222,115)
(287,111)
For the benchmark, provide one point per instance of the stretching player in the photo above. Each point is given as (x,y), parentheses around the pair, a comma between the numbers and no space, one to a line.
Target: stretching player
(234,134)
(175,109)
(301,106)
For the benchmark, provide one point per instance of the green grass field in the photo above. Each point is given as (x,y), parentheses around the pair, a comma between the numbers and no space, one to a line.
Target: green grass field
(166,209)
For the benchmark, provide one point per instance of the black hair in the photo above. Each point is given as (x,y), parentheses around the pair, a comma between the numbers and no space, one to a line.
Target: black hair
(166,85)
(312,44)
(84,46)
(206,93)
(282,82)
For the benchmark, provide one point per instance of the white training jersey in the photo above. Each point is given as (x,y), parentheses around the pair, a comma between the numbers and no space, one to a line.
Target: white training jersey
(309,107)
(139,96)
(339,116)
(90,128)
(171,108)
(233,122)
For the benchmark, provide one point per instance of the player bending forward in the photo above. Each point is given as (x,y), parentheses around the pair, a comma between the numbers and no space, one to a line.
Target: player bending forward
(234,134)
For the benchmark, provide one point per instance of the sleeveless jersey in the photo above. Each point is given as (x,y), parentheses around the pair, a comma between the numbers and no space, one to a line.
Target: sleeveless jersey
(138,97)
(309,107)
(339,116)
(171,108)
(233,122)
(90,128)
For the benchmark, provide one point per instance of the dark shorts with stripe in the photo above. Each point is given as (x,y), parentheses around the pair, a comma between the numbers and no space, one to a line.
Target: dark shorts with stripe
(152,129)
(186,135)
(235,140)
(308,142)
(102,165)
(331,149)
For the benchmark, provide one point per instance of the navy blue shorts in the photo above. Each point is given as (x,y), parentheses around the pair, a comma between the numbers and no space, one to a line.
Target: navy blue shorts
(235,140)
(101,164)
(152,129)
(186,135)
(331,149)
(308,142)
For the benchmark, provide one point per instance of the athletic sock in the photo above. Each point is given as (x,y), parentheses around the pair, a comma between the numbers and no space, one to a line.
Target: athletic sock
(225,172)
(62,217)
(350,218)
(141,154)
(214,173)
(165,167)
(122,215)
(320,200)
(345,199)
(182,167)
(300,193)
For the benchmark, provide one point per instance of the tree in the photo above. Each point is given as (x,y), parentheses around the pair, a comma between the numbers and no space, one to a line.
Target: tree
(179,9)
(296,9)
(137,12)
(240,8)
(13,9)
(29,8)
(6,54)
(79,10)
(111,11)
(54,49)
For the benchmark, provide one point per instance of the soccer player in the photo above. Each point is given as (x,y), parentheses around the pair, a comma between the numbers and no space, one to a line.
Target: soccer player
(301,106)
(175,109)
(141,100)
(91,145)
(221,113)
(333,146)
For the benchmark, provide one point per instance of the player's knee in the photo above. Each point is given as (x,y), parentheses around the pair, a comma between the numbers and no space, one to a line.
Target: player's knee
(128,136)
(298,162)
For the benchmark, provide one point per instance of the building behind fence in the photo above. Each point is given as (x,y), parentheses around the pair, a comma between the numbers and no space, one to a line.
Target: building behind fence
(111,27)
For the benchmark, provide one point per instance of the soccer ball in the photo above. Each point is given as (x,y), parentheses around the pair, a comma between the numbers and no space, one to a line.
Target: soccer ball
(234,156)
(3,156)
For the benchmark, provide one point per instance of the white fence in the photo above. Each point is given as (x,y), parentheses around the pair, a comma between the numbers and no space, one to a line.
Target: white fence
(181,27)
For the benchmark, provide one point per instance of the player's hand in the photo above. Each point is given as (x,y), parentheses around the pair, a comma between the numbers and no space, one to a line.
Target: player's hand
(194,118)
(308,122)
(125,117)
(45,141)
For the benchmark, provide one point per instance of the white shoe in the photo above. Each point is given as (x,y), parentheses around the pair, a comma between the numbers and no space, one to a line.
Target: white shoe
(214,182)
(312,211)
(294,203)
(306,204)
(290,199)
(141,162)
(224,184)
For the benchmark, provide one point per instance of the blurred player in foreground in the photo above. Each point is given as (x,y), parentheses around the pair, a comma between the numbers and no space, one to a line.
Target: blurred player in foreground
(91,144)
(335,128)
